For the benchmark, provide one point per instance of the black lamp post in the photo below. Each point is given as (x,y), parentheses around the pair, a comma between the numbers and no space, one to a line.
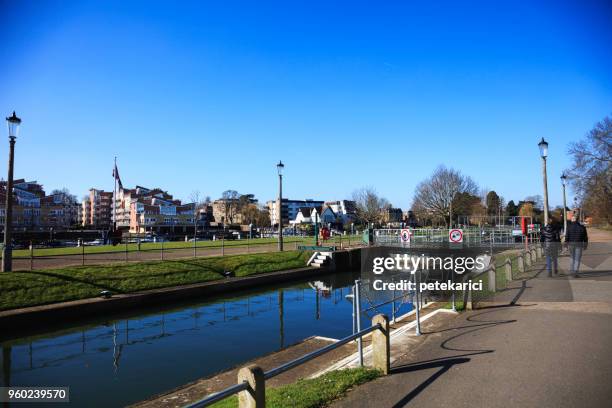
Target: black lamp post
(280,166)
(563,184)
(543,145)
(13,123)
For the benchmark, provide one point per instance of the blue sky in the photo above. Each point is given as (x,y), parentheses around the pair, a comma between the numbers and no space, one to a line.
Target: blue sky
(209,96)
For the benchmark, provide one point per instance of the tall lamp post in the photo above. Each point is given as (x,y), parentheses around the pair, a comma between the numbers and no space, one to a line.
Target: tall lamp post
(563,183)
(543,145)
(7,250)
(280,166)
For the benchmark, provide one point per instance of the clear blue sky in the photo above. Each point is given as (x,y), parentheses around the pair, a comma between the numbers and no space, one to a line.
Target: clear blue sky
(203,96)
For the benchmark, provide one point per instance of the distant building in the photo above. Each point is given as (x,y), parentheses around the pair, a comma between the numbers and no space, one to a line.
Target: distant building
(97,209)
(141,210)
(33,210)
(290,209)
(345,210)
(392,215)
(227,210)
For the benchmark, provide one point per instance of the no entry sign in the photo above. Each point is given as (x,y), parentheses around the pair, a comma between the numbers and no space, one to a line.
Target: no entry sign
(405,235)
(455,236)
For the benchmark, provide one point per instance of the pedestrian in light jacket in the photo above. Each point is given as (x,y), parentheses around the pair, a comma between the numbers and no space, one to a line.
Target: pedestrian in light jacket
(577,240)
(551,243)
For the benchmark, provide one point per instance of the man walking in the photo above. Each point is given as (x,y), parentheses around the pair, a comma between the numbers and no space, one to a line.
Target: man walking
(551,242)
(576,239)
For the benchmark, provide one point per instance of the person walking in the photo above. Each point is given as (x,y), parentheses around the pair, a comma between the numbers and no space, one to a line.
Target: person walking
(551,243)
(577,240)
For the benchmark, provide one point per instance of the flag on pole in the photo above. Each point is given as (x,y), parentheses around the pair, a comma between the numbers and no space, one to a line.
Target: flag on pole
(116,176)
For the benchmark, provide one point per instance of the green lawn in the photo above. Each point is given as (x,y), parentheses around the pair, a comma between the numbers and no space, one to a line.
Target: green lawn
(29,288)
(156,246)
(311,393)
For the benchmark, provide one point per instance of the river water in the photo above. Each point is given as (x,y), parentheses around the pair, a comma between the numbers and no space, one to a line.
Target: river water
(121,360)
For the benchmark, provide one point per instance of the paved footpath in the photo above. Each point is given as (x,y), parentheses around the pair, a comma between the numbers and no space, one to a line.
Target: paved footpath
(551,348)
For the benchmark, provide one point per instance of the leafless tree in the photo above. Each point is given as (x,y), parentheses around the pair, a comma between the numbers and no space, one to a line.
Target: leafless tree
(591,171)
(368,205)
(435,194)
(231,204)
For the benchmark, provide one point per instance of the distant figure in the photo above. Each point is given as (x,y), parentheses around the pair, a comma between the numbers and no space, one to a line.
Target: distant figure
(551,242)
(577,240)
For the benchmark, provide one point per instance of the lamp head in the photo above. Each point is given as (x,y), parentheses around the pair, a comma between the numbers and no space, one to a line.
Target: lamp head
(13,123)
(543,145)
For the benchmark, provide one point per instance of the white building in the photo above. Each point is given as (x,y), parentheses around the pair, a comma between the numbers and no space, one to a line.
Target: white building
(290,209)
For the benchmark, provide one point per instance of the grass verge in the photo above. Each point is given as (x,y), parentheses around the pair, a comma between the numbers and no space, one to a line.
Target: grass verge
(30,288)
(311,393)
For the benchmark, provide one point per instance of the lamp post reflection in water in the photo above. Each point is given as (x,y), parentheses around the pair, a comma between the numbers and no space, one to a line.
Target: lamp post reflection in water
(280,317)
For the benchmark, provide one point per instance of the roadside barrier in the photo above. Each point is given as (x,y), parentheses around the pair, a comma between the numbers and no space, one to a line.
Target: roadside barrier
(251,387)
(498,275)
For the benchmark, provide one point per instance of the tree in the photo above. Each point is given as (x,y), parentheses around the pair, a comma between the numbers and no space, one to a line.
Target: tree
(231,204)
(463,204)
(527,210)
(200,202)
(511,209)
(493,203)
(368,205)
(591,171)
(65,196)
(435,194)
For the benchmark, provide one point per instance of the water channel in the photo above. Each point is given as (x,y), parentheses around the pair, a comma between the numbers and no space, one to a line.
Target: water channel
(120,360)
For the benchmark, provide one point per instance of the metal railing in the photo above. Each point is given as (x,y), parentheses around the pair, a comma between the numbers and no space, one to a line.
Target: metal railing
(245,386)
(500,236)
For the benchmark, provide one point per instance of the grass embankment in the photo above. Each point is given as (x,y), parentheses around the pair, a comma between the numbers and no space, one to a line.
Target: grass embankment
(30,288)
(311,393)
(156,246)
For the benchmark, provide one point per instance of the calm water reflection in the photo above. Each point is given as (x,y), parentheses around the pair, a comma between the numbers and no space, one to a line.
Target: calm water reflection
(122,361)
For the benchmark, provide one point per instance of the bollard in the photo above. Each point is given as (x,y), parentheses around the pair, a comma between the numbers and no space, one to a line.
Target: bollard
(222,246)
(381,344)
(162,250)
(527,259)
(82,254)
(508,270)
(255,395)
(126,249)
(467,300)
(31,255)
(491,274)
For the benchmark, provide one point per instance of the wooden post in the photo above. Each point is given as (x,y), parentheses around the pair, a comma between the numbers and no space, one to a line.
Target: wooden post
(381,344)
(492,276)
(508,270)
(255,396)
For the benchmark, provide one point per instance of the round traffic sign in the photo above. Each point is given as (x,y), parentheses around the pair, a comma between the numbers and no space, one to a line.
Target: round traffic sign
(455,235)
(405,234)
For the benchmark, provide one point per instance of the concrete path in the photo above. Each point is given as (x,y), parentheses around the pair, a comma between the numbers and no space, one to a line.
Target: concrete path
(552,348)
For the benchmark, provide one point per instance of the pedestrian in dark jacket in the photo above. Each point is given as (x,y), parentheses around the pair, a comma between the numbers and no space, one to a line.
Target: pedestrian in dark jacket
(551,243)
(577,240)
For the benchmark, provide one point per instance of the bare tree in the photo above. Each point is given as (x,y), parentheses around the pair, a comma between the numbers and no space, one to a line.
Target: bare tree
(435,194)
(231,204)
(368,205)
(591,171)
(200,202)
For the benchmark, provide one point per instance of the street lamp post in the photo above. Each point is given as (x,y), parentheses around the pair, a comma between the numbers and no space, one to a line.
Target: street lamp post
(280,166)
(543,145)
(563,183)
(7,253)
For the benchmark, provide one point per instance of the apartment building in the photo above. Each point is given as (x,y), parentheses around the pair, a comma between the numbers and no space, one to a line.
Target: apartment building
(289,209)
(33,210)
(141,209)
(97,209)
